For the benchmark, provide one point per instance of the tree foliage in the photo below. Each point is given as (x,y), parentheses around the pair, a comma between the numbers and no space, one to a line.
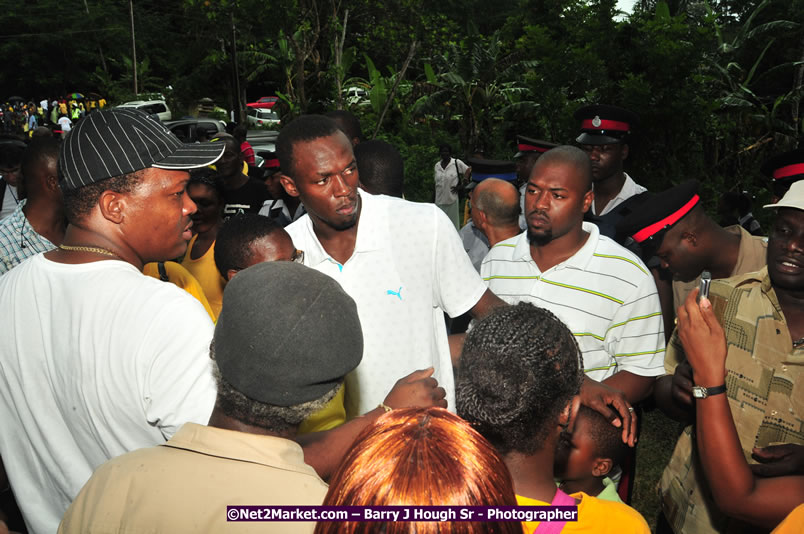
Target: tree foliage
(717,83)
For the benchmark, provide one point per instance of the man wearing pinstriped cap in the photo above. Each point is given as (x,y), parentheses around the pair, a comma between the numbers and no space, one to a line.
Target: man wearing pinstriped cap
(97,359)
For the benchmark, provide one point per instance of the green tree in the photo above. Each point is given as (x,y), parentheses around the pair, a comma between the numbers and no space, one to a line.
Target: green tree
(473,82)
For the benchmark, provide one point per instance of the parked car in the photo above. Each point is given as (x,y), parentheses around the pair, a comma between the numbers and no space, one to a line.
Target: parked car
(262,117)
(261,150)
(266,102)
(151,107)
(187,129)
(355,95)
(262,138)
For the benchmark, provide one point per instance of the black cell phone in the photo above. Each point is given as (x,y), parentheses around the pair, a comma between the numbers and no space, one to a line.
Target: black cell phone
(706,280)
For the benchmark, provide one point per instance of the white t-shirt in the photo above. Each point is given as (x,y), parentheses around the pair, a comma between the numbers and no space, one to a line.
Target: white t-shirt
(96,360)
(603,293)
(66,124)
(407,269)
(446,179)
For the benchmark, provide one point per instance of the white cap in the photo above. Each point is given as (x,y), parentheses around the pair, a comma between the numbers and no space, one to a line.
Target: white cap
(794,198)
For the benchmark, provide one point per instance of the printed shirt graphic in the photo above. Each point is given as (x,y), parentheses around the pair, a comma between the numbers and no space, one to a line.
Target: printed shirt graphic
(397,293)
(248,198)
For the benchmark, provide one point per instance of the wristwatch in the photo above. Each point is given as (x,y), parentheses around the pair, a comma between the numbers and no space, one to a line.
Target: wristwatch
(700,392)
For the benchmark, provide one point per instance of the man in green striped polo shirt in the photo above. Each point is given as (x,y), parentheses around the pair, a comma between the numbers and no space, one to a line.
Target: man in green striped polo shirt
(603,292)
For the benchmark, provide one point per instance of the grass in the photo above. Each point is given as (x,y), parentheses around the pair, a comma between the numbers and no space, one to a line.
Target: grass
(656,443)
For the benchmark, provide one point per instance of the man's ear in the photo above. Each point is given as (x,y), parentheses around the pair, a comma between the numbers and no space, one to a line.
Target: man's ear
(588,197)
(289,185)
(112,206)
(575,405)
(690,238)
(52,184)
(602,467)
(566,418)
(624,152)
(230,273)
(482,219)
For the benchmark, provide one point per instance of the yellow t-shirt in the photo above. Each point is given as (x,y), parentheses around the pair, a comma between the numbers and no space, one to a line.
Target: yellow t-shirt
(178,275)
(207,275)
(594,516)
(330,416)
(792,523)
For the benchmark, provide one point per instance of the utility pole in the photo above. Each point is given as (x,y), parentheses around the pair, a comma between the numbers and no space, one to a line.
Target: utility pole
(100,49)
(133,45)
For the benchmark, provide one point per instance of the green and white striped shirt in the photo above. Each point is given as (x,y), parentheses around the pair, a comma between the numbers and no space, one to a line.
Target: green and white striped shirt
(603,293)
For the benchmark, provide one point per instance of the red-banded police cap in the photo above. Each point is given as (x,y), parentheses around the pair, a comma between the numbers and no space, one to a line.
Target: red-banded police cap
(527,145)
(270,159)
(788,166)
(659,213)
(604,125)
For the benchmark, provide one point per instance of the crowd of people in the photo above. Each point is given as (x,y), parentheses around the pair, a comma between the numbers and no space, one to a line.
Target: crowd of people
(18,117)
(185,331)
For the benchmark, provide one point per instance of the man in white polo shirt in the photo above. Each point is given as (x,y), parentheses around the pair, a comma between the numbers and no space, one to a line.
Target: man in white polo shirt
(604,293)
(401,262)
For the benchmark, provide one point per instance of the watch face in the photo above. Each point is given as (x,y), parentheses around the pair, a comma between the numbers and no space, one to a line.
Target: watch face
(699,392)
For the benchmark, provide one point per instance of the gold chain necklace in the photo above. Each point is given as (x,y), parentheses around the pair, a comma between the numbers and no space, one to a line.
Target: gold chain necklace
(96,250)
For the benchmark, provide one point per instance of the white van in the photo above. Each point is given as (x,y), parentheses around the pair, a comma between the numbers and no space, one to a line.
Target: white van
(151,107)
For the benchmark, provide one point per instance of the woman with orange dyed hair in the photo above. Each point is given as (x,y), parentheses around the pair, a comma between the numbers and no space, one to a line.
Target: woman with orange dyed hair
(424,457)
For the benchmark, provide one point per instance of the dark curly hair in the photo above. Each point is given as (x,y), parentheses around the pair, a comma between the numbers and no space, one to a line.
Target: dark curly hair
(519,368)
(78,203)
(381,168)
(234,239)
(280,419)
(302,129)
(607,437)
(347,122)
(208,177)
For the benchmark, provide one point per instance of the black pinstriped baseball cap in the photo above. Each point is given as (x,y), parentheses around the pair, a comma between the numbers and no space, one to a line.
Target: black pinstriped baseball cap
(121,141)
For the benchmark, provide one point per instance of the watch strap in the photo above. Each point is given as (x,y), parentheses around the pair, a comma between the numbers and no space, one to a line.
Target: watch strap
(708,392)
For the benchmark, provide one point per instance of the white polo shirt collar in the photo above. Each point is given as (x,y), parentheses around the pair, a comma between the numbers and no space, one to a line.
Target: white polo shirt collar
(629,189)
(370,235)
